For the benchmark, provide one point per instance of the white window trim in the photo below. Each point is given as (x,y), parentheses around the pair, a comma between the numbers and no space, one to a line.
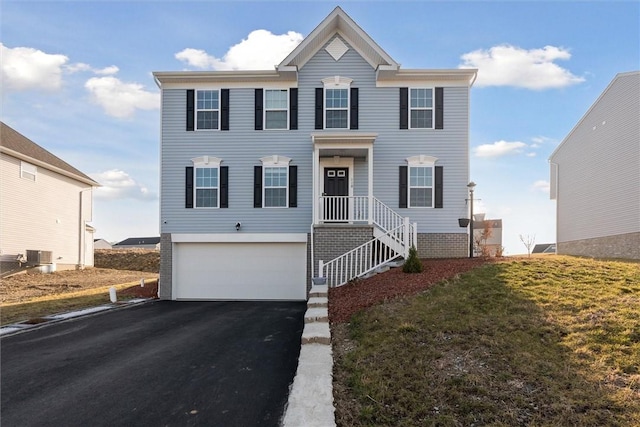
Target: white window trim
(433,107)
(421,161)
(275,161)
(265,109)
(30,170)
(336,82)
(196,109)
(201,163)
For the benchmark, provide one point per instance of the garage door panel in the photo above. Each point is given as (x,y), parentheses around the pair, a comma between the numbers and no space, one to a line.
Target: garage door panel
(240,271)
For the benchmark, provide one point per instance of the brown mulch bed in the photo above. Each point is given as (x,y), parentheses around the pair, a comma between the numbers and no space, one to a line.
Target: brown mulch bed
(345,301)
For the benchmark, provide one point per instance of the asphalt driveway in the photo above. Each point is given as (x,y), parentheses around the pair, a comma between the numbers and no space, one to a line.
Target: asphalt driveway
(158,364)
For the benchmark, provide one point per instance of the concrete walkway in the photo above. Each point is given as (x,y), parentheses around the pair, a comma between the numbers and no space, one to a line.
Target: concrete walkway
(311,397)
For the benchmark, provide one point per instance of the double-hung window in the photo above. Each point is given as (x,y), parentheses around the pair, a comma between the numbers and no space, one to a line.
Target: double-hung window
(276,108)
(421,108)
(206,187)
(275,183)
(337,108)
(208,109)
(275,186)
(206,182)
(421,186)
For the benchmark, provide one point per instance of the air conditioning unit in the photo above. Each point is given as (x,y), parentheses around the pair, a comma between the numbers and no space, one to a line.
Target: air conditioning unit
(39,257)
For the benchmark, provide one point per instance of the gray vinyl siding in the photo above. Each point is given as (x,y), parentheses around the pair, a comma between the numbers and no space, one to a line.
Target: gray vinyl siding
(241,148)
(598,167)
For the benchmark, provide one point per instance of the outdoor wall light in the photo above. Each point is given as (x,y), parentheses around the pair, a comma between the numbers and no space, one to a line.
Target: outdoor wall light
(238,225)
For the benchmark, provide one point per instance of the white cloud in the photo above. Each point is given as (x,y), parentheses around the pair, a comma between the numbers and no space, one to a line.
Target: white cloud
(541,185)
(499,148)
(117,184)
(120,99)
(531,154)
(80,66)
(25,68)
(261,50)
(507,65)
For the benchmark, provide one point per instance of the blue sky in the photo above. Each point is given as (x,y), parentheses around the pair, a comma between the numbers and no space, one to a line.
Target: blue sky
(76,79)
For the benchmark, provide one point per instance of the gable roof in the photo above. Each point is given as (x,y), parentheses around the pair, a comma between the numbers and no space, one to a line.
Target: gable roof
(616,79)
(17,145)
(338,21)
(388,72)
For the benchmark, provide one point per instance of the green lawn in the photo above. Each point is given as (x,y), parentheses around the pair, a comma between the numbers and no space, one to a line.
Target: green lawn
(542,341)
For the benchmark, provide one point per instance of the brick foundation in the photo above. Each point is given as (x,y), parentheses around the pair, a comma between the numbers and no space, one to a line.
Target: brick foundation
(331,241)
(624,246)
(443,245)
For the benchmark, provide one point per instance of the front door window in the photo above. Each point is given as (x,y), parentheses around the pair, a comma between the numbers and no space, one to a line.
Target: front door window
(336,183)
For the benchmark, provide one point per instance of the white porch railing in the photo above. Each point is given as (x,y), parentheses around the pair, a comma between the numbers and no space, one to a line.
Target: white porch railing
(358,261)
(358,209)
(367,257)
(393,236)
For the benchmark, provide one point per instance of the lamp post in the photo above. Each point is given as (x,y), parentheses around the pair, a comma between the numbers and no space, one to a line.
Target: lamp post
(471,186)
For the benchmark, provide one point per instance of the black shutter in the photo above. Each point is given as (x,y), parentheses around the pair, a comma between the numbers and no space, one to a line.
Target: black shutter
(258,113)
(188,188)
(293,186)
(404,108)
(293,108)
(190,109)
(354,108)
(402,190)
(224,186)
(224,110)
(257,186)
(319,108)
(438,187)
(439,108)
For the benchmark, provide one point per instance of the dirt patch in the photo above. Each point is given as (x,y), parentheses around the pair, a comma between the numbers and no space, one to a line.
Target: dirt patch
(113,267)
(128,259)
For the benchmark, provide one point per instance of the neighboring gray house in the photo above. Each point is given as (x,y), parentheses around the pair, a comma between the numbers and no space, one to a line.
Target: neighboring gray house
(331,164)
(595,176)
(45,207)
(138,243)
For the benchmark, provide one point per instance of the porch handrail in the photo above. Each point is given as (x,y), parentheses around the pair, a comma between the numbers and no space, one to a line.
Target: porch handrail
(363,259)
(385,217)
(358,209)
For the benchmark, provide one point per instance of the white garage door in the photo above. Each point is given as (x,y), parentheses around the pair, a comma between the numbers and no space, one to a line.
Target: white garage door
(240,271)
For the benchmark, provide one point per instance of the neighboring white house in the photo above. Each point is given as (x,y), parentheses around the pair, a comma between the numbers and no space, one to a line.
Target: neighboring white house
(330,165)
(487,236)
(101,244)
(595,176)
(45,206)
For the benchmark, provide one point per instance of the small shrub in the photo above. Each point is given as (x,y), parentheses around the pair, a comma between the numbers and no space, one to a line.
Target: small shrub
(413,263)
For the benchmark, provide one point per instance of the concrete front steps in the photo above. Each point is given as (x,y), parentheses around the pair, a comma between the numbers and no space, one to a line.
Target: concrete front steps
(311,397)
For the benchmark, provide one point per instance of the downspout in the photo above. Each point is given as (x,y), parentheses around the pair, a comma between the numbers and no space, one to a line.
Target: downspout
(81,236)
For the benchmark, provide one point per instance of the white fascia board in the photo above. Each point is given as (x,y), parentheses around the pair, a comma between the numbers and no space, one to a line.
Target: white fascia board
(413,78)
(239,237)
(226,79)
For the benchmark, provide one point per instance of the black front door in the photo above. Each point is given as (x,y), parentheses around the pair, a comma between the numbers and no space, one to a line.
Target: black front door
(336,183)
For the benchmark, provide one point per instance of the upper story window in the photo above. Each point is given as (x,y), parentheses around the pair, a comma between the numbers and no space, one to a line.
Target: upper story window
(207,109)
(337,108)
(28,171)
(339,104)
(276,108)
(421,181)
(206,182)
(421,108)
